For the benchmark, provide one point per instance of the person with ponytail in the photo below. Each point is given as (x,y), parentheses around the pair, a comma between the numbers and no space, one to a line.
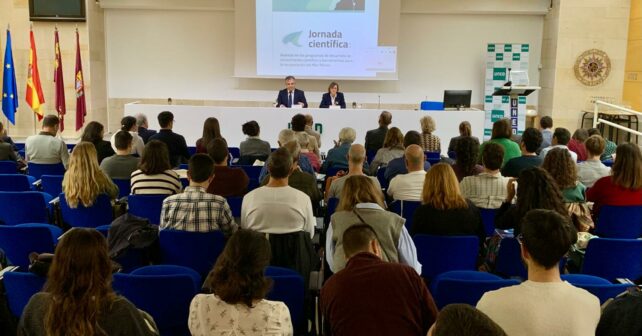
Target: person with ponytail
(129,124)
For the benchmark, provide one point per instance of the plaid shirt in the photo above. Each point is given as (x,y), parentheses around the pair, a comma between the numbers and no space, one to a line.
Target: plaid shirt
(197,211)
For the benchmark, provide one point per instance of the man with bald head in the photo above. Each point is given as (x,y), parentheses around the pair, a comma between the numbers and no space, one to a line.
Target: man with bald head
(398,166)
(408,187)
(356,158)
(375,137)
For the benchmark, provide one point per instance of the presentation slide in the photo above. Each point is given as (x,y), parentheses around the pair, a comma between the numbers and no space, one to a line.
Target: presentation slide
(321,38)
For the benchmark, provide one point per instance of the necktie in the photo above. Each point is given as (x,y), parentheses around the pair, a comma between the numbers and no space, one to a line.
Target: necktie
(289,99)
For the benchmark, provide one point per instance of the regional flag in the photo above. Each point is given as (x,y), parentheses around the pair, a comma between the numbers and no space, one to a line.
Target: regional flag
(61,107)
(9,88)
(34,97)
(81,109)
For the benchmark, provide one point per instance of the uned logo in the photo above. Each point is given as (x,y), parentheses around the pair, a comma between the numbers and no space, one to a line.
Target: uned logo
(499,74)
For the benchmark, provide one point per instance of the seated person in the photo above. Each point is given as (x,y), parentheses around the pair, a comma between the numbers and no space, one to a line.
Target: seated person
(356,159)
(44,147)
(576,144)
(488,189)
(609,148)
(429,141)
(362,203)
(277,207)
(546,127)
(253,145)
(408,187)
(333,97)
(285,136)
(84,181)
(375,137)
(6,152)
(155,174)
(501,135)
(373,297)
(309,128)
(398,166)
(530,143)
(143,127)
(176,145)
(94,133)
(228,181)
(211,131)
(463,320)
(392,148)
(591,170)
(546,304)
(561,137)
(338,156)
(128,124)
(298,123)
(123,164)
(467,153)
(194,209)
(237,304)
(560,165)
(464,131)
(291,96)
(306,150)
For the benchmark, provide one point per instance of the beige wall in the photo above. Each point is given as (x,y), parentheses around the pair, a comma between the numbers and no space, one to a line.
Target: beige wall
(633,75)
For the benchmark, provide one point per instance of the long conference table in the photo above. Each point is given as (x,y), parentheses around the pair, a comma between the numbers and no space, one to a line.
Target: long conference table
(188,121)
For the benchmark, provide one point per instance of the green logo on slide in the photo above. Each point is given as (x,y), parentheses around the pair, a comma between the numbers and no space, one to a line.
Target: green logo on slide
(499,74)
(292,38)
(491,48)
(499,57)
(524,47)
(516,56)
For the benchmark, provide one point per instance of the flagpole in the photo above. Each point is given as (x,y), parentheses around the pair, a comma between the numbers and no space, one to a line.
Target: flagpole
(4,118)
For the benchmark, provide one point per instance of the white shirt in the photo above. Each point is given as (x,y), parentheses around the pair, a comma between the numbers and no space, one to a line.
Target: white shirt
(545,151)
(485,190)
(138,146)
(589,171)
(277,210)
(542,308)
(407,187)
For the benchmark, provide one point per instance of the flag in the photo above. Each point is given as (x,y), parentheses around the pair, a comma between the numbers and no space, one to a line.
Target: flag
(81,109)
(9,89)
(59,83)
(34,96)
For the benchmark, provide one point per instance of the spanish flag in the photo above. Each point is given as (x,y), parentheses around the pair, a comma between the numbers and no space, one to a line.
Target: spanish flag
(34,96)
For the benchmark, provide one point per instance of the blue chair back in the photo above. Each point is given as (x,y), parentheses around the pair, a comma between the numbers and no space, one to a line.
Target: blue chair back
(439,254)
(191,150)
(146,206)
(196,250)
(332,171)
(619,222)
(597,286)
(433,157)
(24,207)
(124,187)
(432,105)
(170,270)
(170,312)
(100,213)
(488,218)
(38,169)
(253,173)
(235,152)
(52,184)
(405,209)
(20,287)
(613,258)
(235,203)
(15,182)
(8,167)
(466,287)
(608,163)
(370,154)
(17,242)
(381,177)
(509,259)
(288,287)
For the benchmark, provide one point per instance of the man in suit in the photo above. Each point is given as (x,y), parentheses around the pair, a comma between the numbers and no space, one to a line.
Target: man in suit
(291,95)
(143,127)
(333,97)
(375,137)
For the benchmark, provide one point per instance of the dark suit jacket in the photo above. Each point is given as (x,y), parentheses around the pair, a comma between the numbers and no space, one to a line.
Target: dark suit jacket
(374,138)
(326,101)
(297,97)
(175,143)
(145,133)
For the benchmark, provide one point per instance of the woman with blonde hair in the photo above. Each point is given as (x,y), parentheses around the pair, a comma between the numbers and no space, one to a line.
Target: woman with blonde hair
(429,141)
(444,211)
(392,149)
(84,180)
(78,299)
(362,203)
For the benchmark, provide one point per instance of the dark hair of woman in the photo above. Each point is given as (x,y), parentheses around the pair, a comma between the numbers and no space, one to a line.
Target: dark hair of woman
(465,129)
(211,130)
(467,151)
(251,128)
(333,84)
(538,190)
(560,165)
(238,275)
(155,159)
(627,168)
(79,282)
(502,129)
(127,123)
(93,132)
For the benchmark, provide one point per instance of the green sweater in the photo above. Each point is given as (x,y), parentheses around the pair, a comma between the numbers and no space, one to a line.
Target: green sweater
(511,149)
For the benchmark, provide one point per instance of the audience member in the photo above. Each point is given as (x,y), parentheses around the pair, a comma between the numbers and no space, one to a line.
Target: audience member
(544,304)
(143,127)
(609,147)
(464,320)
(195,210)
(373,297)
(362,203)
(6,138)
(303,139)
(408,187)
(298,123)
(464,131)
(45,147)
(576,144)
(392,149)
(560,165)
(529,144)
(333,97)
(398,166)
(84,180)
(356,158)
(123,164)
(228,181)
(501,135)
(444,210)
(78,298)
(591,170)
(155,174)
(211,131)
(338,156)
(298,179)
(488,189)
(129,124)
(277,207)
(285,136)
(237,305)
(176,145)
(561,137)
(537,190)
(6,151)
(466,152)
(624,186)
(375,137)
(546,127)
(291,96)
(253,145)
(94,133)
(429,141)
(309,128)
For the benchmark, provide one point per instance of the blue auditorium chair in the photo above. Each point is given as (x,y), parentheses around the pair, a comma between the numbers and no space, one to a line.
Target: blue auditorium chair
(613,258)
(465,286)
(20,240)
(8,167)
(170,270)
(289,288)
(619,222)
(16,182)
(100,213)
(52,184)
(439,254)
(196,250)
(488,218)
(597,286)
(405,209)
(38,169)
(24,207)
(235,203)
(146,206)
(509,263)
(124,187)
(20,287)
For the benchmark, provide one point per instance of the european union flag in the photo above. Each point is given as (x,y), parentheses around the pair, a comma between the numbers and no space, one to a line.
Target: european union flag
(9,89)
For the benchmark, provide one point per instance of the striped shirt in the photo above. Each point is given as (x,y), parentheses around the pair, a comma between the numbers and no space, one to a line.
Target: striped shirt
(485,190)
(196,210)
(165,183)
